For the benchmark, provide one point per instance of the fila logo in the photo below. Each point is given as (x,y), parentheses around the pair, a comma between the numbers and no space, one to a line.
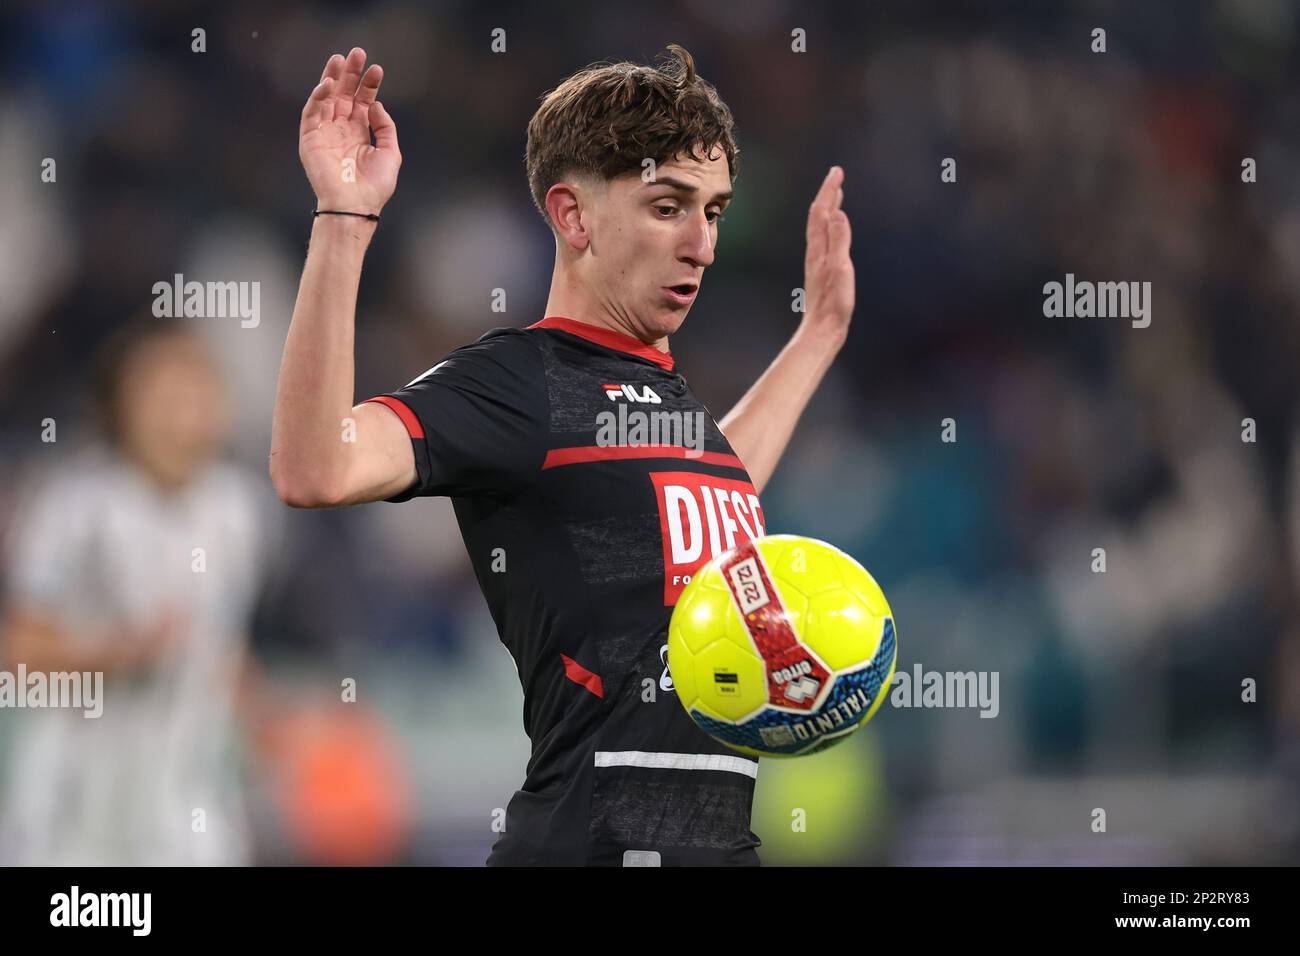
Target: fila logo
(700,517)
(748,585)
(647,395)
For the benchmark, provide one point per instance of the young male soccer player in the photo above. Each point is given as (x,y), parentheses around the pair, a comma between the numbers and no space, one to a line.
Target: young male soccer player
(597,538)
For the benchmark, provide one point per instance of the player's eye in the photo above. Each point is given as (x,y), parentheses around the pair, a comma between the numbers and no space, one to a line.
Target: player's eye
(715,215)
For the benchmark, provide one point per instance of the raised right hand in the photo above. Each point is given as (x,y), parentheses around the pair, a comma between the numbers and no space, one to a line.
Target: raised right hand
(346,172)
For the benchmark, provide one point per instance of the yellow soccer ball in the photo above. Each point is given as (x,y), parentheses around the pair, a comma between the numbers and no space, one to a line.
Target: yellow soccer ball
(782,646)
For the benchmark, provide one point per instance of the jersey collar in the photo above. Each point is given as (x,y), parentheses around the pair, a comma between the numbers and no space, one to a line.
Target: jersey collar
(608,338)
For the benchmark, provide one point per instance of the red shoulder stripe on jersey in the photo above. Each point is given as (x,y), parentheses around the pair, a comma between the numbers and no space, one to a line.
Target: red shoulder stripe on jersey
(412,423)
(580,675)
(608,338)
(576,456)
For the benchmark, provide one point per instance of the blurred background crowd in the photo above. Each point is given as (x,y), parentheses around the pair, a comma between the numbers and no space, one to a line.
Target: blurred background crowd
(1119,690)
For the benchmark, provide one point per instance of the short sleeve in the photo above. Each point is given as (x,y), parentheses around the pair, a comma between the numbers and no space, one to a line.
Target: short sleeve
(479,420)
(46,544)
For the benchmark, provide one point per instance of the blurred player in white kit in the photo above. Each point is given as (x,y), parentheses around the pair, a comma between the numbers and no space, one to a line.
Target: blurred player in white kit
(141,560)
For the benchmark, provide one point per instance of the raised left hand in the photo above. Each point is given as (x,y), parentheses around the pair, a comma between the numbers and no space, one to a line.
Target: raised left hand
(828,270)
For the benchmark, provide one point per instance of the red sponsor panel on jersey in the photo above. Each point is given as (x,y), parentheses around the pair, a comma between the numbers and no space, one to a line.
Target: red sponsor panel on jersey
(700,517)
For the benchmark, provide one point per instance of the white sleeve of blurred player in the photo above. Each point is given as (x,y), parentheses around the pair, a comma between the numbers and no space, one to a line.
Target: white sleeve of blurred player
(48,533)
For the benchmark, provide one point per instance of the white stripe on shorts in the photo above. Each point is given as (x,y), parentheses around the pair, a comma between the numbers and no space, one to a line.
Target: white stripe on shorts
(663,761)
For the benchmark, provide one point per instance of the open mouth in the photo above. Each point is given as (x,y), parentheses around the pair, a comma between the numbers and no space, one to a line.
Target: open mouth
(683,293)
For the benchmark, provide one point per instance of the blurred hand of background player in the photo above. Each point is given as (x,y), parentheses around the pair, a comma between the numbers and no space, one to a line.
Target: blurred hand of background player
(346,172)
(137,649)
(828,270)
(43,642)
(147,647)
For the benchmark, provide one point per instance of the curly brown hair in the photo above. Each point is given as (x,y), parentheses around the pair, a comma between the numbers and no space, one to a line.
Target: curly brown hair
(607,118)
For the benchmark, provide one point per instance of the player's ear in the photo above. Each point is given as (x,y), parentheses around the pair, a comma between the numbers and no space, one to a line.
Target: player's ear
(564,204)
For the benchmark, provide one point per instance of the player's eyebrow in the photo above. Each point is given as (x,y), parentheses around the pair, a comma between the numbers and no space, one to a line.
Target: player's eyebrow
(688,188)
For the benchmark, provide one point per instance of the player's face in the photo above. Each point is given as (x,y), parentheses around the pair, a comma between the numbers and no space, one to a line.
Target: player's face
(172,409)
(652,236)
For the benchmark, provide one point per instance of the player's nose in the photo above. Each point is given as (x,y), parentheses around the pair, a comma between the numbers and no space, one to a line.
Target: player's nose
(698,248)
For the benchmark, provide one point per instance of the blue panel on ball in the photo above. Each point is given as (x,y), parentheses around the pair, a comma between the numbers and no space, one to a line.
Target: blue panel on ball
(777,732)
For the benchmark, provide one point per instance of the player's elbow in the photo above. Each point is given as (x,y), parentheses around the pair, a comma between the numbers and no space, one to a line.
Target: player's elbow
(297,492)
(306,496)
(296,497)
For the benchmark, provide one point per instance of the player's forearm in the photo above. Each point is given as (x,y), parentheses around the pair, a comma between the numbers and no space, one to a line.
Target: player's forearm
(40,643)
(27,640)
(317,376)
(760,425)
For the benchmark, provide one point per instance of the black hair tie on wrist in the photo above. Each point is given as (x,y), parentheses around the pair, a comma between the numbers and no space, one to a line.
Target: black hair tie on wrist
(373,217)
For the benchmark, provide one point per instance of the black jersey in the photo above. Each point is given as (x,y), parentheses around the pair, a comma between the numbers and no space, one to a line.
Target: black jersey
(584,516)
